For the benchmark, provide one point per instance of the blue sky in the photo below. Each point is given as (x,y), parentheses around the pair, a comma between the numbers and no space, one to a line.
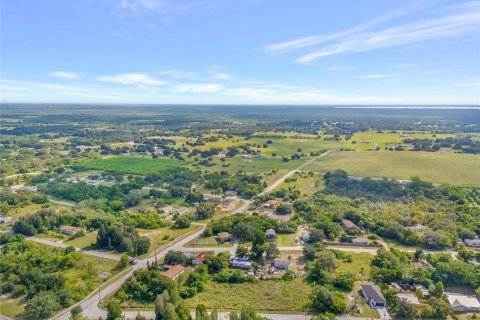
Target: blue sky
(241,51)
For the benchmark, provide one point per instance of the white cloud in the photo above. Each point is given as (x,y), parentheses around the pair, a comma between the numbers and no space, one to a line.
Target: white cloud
(133,78)
(449,26)
(221,76)
(198,87)
(176,74)
(314,40)
(337,68)
(213,70)
(374,76)
(51,92)
(63,75)
(471,83)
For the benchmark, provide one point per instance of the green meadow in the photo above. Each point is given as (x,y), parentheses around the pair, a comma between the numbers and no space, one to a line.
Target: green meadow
(438,167)
(132,165)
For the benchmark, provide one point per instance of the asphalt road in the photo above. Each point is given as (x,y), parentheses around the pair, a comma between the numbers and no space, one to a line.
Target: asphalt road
(62,245)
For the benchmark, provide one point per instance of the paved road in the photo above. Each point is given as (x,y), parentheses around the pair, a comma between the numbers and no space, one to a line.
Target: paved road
(62,245)
(90,304)
(63,203)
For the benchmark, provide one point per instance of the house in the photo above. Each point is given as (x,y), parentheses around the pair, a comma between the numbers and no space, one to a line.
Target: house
(211,198)
(167,209)
(305,236)
(174,271)
(231,193)
(271,235)
(463,303)
(421,265)
(374,296)
(200,258)
(242,263)
(5,219)
(418,228)
(422,289)
(360,241)
(180,211)
(281,263)
(475,242)
(348,224)
(270,204)
(224,236)
(21,187)
(409,298)
(69,230)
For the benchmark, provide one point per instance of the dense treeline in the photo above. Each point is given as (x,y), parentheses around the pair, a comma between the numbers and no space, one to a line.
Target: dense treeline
(339,183)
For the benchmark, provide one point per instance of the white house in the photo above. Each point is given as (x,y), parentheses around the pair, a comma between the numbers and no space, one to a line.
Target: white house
(360,241)
(475,242)
(5,219)
(463,303)
(242,263)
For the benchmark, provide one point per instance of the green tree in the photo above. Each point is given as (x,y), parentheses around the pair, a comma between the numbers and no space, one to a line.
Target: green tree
(114,311)
(174,257)
(169,313)
(123,263)
(205,211)
(40,307)
(242,251)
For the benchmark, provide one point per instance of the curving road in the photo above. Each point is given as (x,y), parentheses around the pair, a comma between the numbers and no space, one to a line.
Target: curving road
(62,245)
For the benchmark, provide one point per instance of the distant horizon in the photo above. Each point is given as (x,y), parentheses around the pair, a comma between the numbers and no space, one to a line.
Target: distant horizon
(352,106)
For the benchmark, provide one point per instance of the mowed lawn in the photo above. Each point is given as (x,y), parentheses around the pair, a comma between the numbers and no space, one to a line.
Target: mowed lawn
(133,165)
(438,167)
(278,296)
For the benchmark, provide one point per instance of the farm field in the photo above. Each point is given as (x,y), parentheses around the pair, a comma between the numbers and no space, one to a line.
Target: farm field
(256,165)
(271,296)
(437,167)
(132,165)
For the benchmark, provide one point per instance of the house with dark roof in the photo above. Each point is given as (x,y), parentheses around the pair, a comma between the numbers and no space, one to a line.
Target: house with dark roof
(374,296)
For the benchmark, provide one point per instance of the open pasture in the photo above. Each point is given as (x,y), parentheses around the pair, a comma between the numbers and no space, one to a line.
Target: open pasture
(132,165)
(437,167)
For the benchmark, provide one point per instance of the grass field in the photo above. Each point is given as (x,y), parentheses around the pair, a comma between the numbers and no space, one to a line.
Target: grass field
(83,242)
(162,236)
(207,242)
(255,165)
(286,240)
(437,167)
(132,165)
(11,307)
(359,266)
(273,296)
(305,184)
